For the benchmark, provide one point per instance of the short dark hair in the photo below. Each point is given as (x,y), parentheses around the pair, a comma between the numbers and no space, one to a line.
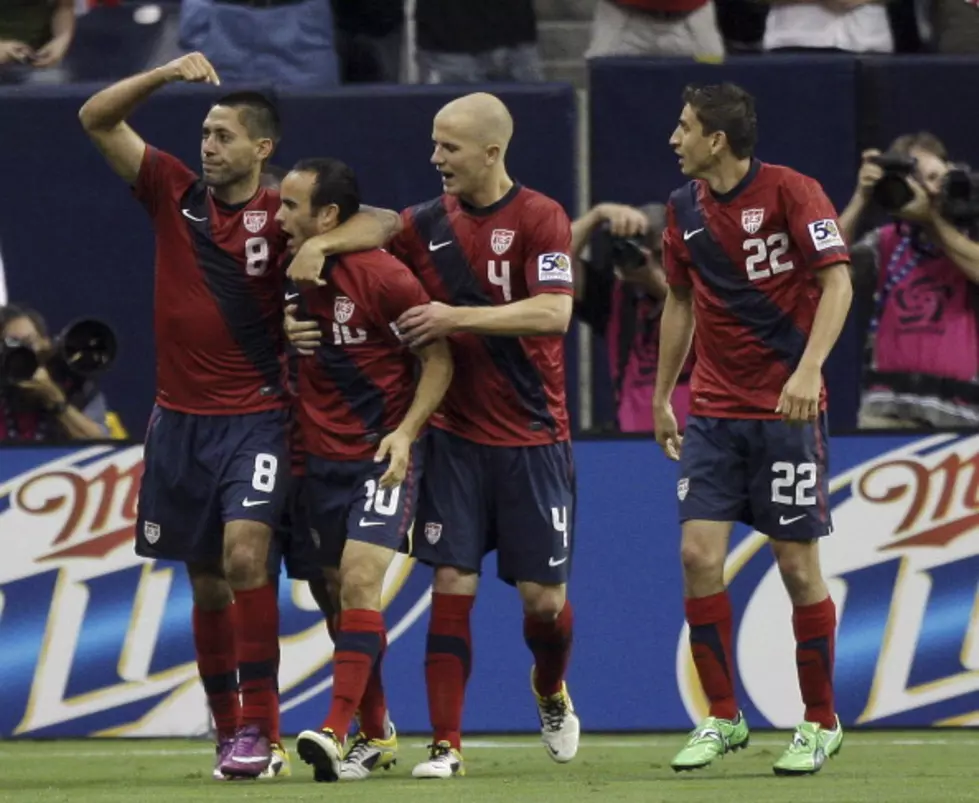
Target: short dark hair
(13,312)
(336,183)
(256,112)
(727,108)
(924,141)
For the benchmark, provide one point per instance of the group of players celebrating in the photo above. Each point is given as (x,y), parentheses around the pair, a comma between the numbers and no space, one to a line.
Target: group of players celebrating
(418,405)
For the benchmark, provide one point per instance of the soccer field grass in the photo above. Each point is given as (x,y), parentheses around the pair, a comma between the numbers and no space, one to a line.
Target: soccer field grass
(886,766)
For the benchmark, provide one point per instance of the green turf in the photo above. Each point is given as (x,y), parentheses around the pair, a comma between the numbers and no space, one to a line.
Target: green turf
(918,767)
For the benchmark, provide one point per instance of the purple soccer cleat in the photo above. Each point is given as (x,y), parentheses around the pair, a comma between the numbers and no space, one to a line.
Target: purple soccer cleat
(249,756)
(222,751)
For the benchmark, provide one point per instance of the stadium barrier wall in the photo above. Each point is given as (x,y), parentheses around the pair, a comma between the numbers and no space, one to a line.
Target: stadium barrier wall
(75,242)
(96,641)
(815,114)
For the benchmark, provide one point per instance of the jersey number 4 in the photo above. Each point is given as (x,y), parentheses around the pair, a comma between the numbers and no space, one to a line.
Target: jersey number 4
(764,256)
(500,278)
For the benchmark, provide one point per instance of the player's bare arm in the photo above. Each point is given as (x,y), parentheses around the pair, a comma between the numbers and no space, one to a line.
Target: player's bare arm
(960,249)
(371,227)
(433,382)
(799,400)
(104,114)
(676,334)
(544,314)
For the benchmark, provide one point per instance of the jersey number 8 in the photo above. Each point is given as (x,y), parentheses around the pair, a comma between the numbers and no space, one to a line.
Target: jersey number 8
(256,256)
(770,251)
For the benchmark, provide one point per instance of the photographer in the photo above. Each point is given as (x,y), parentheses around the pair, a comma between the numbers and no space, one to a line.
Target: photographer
(921,274)
(54,403)
(620,293)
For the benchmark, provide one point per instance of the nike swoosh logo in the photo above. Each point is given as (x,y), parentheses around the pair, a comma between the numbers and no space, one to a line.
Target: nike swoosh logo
(436,246)
(552,562)
(783,521)
(290,296)
(191,217)
(688,234)
(365,523)
(246,502)
(249,759)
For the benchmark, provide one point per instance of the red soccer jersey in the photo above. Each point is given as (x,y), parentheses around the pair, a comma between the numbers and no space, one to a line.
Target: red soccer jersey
(361,382)
(218,293)
(506,391)
(751,257)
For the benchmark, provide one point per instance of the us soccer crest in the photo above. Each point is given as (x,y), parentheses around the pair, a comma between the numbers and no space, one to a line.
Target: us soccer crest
(501,240)
(343,309)
(255,220)
(751,219)
(433,531)
(682,489)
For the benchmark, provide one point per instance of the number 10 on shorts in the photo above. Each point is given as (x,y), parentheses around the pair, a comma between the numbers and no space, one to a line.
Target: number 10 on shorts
(794,484)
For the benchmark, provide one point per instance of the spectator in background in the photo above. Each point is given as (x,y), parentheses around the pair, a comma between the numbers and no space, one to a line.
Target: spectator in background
(955,26)
(34,37)
(620,293)
(50,406)
(475,41)
(828,26)
(923,275)
(656,28)
(288,43)
(369,37)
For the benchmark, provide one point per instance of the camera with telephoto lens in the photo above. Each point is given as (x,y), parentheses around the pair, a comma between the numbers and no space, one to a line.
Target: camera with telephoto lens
(892,191)
(84,349)
(959,198)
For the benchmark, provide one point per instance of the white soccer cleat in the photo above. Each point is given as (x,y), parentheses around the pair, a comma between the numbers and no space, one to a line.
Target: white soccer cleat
(279,766)
(560,728)
(444,761)
(366,755)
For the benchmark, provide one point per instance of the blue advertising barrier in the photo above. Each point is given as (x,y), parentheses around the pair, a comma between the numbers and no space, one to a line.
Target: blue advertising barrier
(76,243)
(98,642)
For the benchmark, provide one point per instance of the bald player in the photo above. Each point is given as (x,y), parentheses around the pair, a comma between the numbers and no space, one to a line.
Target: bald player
(494,257)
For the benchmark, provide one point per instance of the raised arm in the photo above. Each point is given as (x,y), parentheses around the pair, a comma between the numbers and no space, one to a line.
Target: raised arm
(104,114)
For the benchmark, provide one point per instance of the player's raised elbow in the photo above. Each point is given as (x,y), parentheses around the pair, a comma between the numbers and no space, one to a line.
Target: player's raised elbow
(558,310)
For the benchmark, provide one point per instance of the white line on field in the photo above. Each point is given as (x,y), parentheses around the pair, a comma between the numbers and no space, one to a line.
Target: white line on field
(115,750)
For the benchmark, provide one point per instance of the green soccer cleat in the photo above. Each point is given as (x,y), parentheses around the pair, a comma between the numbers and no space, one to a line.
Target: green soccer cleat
(712,738)
(811,745)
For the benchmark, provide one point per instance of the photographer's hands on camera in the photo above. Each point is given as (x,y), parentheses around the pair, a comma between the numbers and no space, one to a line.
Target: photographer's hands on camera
(43,388)
(922,208)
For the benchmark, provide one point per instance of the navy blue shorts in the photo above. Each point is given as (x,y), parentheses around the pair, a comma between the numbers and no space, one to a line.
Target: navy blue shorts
(519,501)
(344,502)
(202,471)
(771,475)
(293,544)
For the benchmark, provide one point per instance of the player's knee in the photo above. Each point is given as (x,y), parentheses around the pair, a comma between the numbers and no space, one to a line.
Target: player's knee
(799,567)
(210,589)
(699,558)
(245,564)
(360,587)
(544,603)
(450,580)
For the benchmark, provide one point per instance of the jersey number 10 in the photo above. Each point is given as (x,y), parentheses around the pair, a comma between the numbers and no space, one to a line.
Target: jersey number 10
(768,251)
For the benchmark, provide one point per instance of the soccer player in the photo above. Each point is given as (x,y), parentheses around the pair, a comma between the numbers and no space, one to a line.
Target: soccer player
(753,253)
(215,472)
(362,414)
(494,256)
